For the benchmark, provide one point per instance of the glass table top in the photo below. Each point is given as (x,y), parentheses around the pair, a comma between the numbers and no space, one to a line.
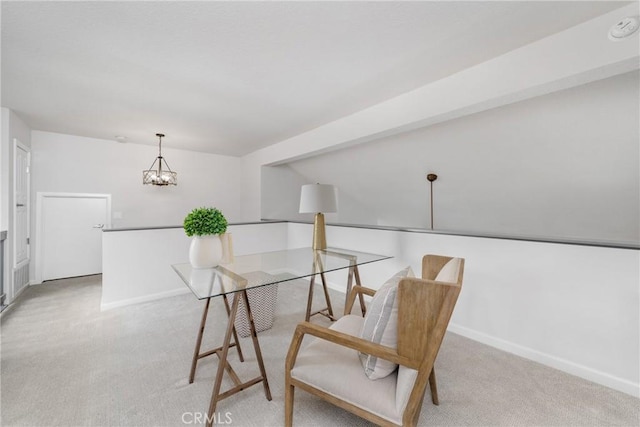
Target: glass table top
(268,268)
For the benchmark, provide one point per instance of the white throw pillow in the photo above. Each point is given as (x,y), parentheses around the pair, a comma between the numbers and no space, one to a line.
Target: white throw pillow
(381,325)
(449,273)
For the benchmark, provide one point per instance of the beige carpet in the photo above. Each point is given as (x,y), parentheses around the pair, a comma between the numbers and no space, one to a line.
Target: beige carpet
(65,363)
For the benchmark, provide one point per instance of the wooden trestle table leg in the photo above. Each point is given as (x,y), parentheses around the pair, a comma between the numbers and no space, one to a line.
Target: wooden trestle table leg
(224,364)
(318,269)
(256,346)
(196,351)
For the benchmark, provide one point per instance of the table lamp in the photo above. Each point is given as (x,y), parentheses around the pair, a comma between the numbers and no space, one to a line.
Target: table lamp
(318,198)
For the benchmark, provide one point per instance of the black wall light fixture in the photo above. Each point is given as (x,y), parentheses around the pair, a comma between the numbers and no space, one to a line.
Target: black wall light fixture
(431,177)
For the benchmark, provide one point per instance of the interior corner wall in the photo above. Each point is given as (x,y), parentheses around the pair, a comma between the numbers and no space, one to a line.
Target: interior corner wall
(563,165)
(278,198)
(74,164)
(251,189)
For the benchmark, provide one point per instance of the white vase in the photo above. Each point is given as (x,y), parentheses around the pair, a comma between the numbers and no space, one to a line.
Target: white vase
(205,251)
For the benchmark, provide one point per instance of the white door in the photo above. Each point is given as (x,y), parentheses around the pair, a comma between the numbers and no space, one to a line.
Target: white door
(21,213)
(71,233)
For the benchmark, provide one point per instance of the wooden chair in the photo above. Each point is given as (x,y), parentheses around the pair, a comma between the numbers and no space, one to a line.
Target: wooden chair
(330,368)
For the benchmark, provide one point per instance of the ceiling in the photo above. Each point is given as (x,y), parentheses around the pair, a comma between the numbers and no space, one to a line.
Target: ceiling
(233,77)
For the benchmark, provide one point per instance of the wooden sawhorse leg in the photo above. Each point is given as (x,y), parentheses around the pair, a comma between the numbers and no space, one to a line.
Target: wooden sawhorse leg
(328,311)
(196,352)
(354,273)
(222,353)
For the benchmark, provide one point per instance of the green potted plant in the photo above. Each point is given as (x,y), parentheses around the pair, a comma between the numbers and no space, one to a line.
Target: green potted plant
(205,225)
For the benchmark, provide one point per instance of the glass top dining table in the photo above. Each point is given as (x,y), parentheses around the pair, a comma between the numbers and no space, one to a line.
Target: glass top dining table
(268,268)
(244,273)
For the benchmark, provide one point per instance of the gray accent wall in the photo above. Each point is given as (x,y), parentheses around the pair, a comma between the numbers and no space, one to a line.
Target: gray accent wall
(563,165)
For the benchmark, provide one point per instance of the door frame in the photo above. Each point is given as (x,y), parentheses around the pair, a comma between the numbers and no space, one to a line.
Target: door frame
(40,199)
(17,144)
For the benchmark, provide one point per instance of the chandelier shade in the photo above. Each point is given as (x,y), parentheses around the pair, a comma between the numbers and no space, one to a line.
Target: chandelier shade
(163,175)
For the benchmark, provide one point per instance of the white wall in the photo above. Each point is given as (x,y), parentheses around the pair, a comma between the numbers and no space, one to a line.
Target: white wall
(71,163)
(251,188)
(13,127)
(150,276)
(575,308)
(563,165)
(75,164)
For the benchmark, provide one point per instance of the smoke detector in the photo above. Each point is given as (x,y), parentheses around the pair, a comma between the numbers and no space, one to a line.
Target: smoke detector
(626,27)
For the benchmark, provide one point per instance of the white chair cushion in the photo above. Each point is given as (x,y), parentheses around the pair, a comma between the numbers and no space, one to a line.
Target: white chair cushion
(381,325)
(404,385)
(336,370)
(449,273)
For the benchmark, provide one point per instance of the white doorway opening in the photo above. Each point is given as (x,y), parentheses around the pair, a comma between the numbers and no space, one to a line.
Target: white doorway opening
(69,234)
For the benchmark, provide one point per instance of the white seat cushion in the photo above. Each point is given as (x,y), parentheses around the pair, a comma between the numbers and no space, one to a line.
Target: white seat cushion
(337,370)
(404,385)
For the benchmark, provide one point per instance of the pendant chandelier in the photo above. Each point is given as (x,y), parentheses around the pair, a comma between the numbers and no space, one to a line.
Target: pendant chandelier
(162,175)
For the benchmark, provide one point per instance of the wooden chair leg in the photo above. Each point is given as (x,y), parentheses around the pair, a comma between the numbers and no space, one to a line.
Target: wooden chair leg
(288,405)
(433,386)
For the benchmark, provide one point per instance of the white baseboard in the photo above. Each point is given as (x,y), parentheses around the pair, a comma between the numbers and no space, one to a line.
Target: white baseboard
(15,297)
(146,298)
(564,365)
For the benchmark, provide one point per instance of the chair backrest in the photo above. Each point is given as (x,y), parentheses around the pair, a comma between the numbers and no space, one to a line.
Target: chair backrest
(432,264)
(424,311)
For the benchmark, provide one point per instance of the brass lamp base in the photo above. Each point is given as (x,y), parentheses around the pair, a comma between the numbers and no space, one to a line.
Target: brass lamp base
(319,237)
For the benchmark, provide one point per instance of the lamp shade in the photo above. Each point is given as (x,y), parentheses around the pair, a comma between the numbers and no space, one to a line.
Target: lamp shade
(318,198)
